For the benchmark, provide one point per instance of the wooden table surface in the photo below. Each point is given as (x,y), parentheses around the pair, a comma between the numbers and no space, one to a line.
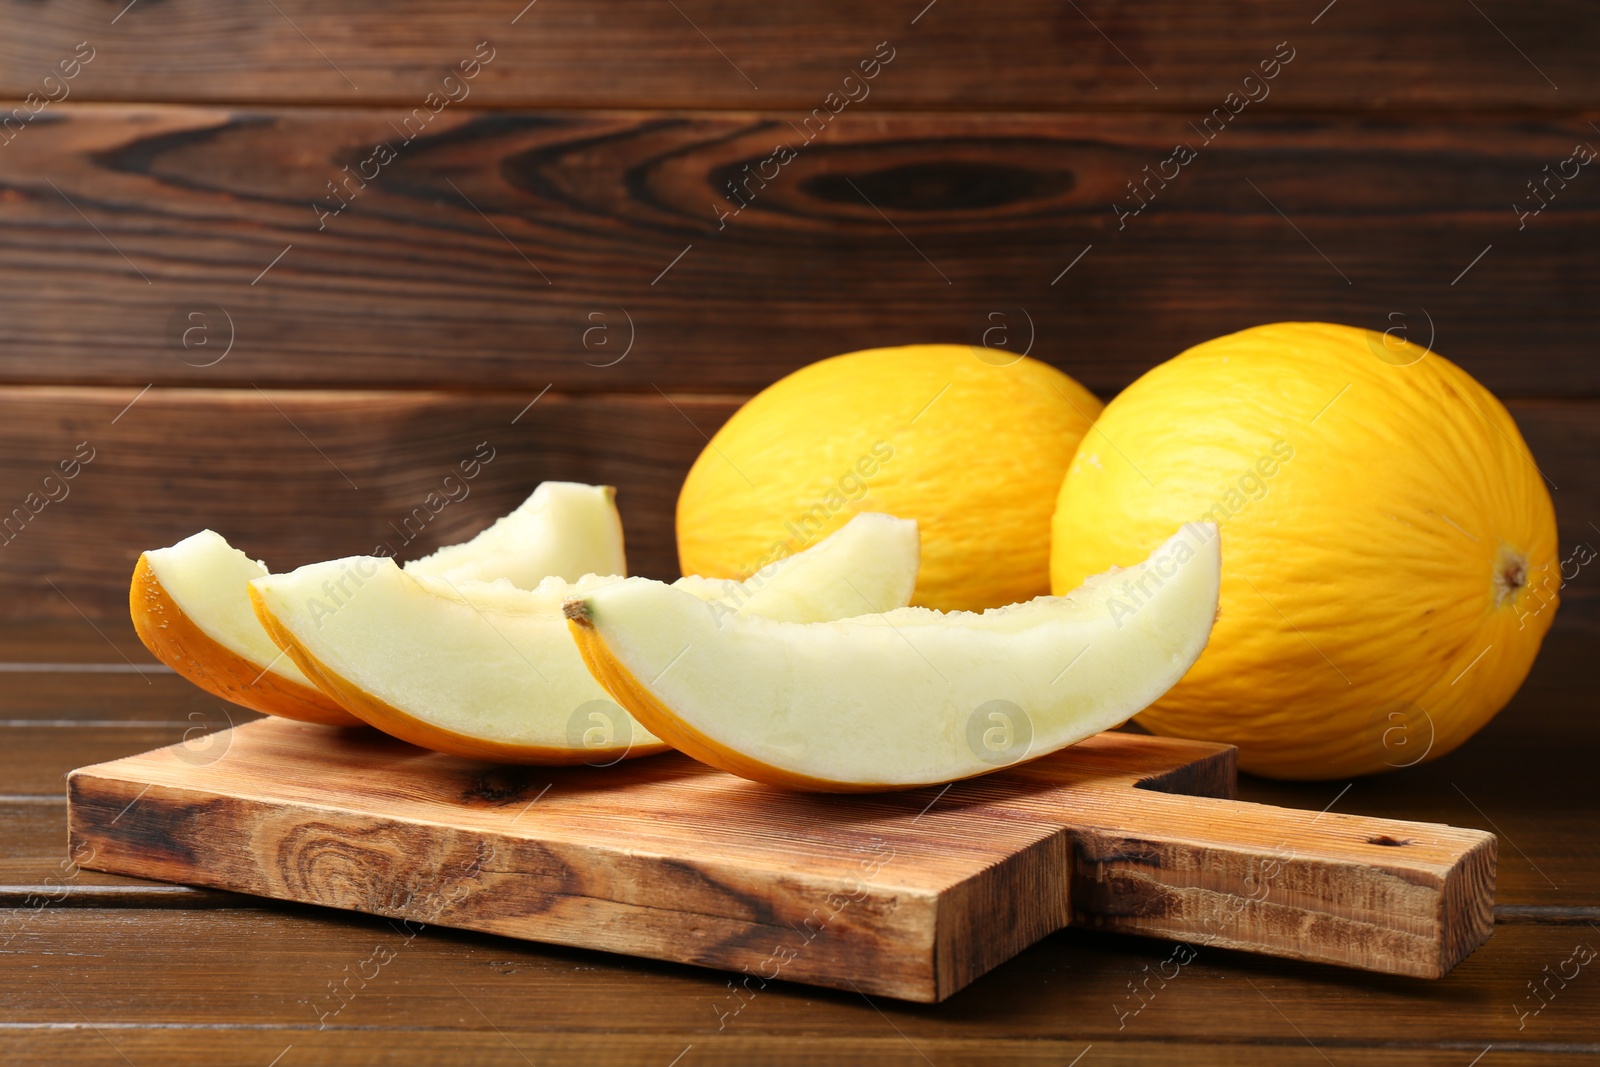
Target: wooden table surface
(102,969)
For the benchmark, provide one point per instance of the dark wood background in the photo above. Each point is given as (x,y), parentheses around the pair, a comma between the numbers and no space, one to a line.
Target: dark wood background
(519,243)
(561,216)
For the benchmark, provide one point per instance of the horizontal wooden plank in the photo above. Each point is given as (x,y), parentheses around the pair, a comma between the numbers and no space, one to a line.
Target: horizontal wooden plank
(39,868)
(713,53)
(58,720)
(79,1044)
(57,711)
(513,250)
(262,968)
(50,646)
(34,760)
(296,477)
(54,721)
(78,694)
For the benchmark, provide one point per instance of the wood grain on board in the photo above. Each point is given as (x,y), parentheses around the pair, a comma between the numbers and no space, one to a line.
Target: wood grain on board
(1012,54)
(601,251)
(1526,776)
(910,895)
(294,477)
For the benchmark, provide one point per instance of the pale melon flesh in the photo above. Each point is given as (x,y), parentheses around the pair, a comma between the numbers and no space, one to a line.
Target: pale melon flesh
(910,697)
(478,668)
(489,670)
(868,565)
(566,529)
(564,526)
(206,578)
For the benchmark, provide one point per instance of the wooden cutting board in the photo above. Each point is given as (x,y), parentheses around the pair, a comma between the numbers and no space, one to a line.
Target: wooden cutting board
(910,895)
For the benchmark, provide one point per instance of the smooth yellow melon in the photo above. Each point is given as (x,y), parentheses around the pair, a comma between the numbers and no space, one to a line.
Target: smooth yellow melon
(1389,554)
(973,451)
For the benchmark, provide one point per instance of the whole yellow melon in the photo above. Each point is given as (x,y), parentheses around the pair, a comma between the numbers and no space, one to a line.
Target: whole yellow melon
(970,443)
(1389,554)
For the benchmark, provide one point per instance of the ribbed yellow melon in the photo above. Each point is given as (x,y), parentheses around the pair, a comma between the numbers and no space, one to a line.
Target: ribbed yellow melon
(971,450)
(1389,554)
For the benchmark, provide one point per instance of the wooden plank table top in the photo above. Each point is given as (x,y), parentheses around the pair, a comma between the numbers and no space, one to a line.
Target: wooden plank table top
(102,969)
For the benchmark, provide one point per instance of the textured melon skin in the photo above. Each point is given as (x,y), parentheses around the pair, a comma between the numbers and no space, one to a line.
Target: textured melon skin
(1390,562)
(972,450)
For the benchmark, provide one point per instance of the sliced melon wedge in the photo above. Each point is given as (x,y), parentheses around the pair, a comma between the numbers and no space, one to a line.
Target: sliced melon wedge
(566,529)
(908,698)
(189,608)
(868,565)
(490,671)
(480,669)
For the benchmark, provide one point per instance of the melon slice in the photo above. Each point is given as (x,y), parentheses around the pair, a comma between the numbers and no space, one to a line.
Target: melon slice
(490,671)
(189,608)
(480,669)
(565,529)
(867,565)
(908,698)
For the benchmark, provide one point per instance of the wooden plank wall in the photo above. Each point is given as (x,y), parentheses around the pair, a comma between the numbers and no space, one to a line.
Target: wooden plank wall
(182,299)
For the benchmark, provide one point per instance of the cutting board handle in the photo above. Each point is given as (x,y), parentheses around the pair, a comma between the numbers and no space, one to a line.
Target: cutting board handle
(1401,897)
